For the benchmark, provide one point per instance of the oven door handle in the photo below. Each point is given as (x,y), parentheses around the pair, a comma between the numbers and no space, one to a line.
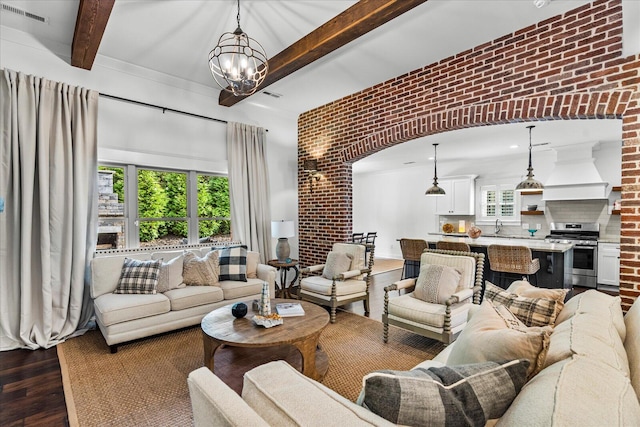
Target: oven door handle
(584,247)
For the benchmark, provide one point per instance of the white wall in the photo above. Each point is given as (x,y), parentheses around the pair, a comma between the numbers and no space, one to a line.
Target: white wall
(393,202)
(138,134)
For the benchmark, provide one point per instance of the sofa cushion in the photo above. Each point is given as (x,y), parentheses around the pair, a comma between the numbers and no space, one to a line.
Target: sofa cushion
(301,401)
(253,259)
(578,391)
(336,264)
(118,308)
(489,337)
(138,277)
(170,276)
(632,344)
(598,303)
(193,296)
(201,271)
(436,283)
(589,335)
(447,395)
(105,272)
(233,263)
(235,289)
(532,311)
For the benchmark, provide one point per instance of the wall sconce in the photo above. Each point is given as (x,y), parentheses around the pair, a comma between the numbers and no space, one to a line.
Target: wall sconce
(311,168)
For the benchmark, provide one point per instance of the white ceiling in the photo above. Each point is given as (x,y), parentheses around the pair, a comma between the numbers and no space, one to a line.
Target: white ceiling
(174,37)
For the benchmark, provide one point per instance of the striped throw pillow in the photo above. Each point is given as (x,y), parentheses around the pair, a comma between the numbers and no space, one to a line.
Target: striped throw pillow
(448,395)
(138,277)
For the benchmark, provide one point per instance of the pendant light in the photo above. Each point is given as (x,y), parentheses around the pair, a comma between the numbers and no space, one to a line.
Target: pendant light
(529,184)
(435,190)
(238,62)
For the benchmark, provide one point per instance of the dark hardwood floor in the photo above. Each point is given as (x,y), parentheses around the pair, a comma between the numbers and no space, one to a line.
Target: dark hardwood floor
(31,392)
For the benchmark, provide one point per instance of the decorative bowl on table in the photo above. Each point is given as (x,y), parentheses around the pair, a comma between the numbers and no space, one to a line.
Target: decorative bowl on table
(532,231)
(474,232)
(448,228)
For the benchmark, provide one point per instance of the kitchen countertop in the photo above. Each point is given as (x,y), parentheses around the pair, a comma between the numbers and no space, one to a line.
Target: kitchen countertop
(535,244)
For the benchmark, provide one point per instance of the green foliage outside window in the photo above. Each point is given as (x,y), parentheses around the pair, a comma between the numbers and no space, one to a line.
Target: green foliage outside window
(152,201)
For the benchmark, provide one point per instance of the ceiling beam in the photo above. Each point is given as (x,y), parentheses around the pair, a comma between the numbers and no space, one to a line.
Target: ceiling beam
(91,22)
(354,22)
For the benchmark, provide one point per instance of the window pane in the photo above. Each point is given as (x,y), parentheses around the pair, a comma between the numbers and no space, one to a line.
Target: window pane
(490,197)
(111,211)
(489,210)
(213,197)
(162,195)
(219,230)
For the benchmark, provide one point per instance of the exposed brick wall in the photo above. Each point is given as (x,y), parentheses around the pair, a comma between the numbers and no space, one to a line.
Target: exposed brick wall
(567,67)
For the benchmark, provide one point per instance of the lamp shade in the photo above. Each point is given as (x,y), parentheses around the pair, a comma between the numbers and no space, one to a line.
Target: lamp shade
(280,229)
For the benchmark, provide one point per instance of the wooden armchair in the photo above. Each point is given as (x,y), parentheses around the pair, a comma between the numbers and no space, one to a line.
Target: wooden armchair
(342,288)
(441,321)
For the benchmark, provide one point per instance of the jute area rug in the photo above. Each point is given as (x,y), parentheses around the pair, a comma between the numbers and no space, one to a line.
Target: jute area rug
(144,384)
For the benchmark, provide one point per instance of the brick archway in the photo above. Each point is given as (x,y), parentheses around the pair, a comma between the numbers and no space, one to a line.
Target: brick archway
(568,67)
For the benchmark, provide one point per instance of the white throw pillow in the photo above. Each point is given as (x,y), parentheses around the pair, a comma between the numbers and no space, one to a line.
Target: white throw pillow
(170,276)
(336,264)
(201,271)
(436,283)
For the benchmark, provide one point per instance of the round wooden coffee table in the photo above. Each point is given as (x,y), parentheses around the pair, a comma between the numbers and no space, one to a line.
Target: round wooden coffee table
(220,327)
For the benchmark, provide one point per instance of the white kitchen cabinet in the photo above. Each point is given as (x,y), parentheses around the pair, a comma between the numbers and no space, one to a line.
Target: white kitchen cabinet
(609,264)
(459,198)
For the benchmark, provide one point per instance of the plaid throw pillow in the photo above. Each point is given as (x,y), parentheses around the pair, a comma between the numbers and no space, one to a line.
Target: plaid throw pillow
(233,264)
(138,277)
(531,311)
(450,395)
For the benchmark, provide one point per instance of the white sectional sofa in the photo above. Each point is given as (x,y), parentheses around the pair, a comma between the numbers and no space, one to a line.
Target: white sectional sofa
(123,317)
(590,377)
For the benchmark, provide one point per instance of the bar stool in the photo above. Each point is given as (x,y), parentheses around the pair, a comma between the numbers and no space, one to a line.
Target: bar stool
(411,251)
(513,260)
(453,246)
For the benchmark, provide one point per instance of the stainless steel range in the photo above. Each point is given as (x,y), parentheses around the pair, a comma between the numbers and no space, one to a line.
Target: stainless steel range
(584,237)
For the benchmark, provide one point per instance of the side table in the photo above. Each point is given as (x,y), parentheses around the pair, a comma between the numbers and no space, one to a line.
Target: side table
(284,268)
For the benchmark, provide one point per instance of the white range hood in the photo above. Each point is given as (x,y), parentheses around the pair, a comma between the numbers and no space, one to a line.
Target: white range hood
(575,176)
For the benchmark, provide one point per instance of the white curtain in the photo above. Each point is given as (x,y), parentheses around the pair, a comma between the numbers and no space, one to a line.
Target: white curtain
(249,187)
(47,230)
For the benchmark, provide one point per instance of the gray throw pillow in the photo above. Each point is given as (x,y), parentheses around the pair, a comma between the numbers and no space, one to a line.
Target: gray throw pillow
(461,395)
(138,277)
(436,283)
(336,264)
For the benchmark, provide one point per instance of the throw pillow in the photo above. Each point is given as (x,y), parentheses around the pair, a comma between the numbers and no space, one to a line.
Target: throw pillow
(526,289)
(489,337)
(448,395)
(138,277)
(170,276)
(233,264)
(436,283)
(532,311)
(198,271)
(336,264)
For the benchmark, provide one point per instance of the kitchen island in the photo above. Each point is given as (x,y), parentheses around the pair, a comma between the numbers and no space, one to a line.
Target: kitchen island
(556,259)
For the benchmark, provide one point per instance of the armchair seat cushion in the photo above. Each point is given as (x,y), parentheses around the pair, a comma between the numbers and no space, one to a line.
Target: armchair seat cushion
(322,286)
(409,308)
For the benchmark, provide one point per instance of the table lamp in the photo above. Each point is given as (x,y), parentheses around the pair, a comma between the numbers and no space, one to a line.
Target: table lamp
(282,230)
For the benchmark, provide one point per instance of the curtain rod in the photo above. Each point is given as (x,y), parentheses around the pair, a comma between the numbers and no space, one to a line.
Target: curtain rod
(164,109)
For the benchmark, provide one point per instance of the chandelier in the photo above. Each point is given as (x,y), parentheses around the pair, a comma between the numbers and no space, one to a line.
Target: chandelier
(529,184)
(238,62)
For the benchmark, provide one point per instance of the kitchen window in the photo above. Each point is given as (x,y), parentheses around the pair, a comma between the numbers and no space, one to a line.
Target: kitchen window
(145,207)
(498,202)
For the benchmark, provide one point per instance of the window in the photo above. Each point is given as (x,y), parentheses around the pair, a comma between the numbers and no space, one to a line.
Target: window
(498,202)
(161,207)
